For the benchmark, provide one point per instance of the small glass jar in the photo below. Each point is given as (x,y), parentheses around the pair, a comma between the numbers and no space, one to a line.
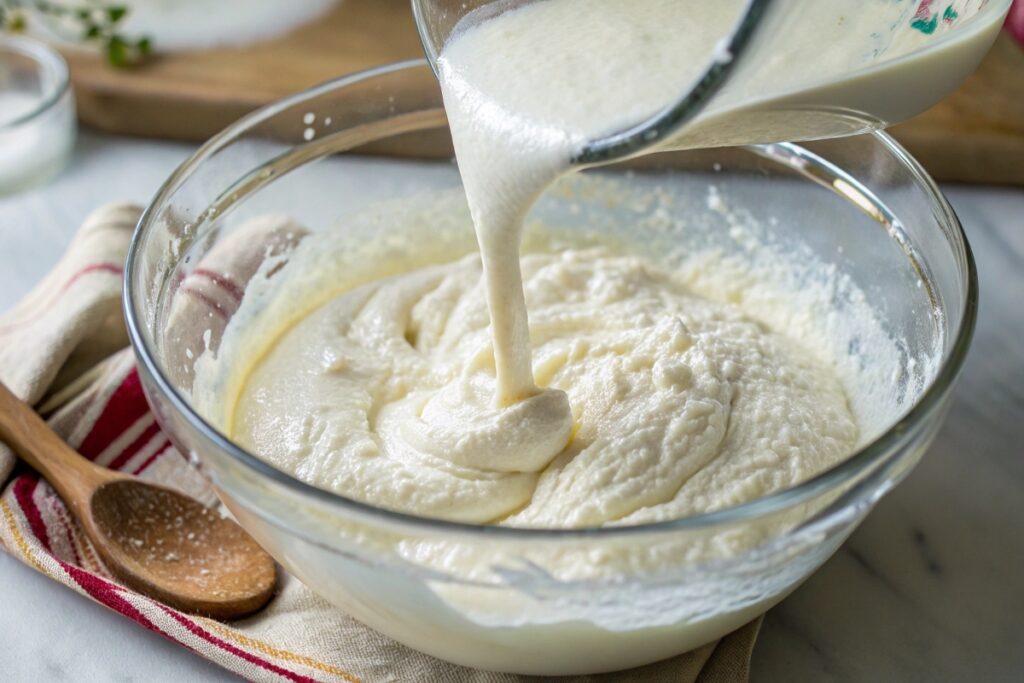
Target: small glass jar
(37,113)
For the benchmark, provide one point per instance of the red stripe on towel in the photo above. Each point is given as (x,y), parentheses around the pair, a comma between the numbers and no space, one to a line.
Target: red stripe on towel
(229,286)
(45,308)
(148,434)
(106,593)
(126,405)
(24,486)
(208,300)
(149,461)
(197,630)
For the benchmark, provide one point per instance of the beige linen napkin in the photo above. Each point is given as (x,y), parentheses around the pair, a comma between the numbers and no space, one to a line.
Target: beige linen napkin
(62,350)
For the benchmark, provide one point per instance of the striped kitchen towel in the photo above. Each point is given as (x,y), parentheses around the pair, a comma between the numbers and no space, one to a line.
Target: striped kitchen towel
(62,349)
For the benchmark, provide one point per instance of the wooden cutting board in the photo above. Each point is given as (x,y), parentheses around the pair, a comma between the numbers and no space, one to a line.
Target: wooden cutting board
(976,135)
(191,96)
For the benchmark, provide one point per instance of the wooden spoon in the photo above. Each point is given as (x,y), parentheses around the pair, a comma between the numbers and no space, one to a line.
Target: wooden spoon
(158,542)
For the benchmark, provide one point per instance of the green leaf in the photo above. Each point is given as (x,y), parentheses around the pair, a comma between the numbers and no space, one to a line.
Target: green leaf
(144,45)
(91,32)
(117,51)
(116,13)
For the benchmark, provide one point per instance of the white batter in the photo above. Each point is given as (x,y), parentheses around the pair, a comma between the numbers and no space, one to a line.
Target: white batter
(678,404)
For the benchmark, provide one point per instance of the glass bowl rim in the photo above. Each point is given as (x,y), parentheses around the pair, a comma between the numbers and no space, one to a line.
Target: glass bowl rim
(46,59)
(863,460)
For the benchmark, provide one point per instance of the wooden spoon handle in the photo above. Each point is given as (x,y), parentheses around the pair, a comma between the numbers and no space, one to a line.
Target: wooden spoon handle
(24,431)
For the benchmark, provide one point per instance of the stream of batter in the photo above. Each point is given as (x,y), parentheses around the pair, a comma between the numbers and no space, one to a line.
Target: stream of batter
(656,402)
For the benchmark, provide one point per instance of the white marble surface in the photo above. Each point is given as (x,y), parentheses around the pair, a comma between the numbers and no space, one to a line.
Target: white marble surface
(930,588)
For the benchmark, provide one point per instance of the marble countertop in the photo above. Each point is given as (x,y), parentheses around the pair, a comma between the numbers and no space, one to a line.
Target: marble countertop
(929,588)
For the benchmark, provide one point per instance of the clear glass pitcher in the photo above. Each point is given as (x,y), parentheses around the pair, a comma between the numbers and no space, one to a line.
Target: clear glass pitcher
(778,74)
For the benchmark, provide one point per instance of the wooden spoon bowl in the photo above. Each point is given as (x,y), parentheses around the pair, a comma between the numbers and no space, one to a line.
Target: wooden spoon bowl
(172,548)
(155,540)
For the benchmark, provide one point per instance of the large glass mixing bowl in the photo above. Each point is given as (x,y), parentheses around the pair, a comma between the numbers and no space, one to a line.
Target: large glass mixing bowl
(859,206)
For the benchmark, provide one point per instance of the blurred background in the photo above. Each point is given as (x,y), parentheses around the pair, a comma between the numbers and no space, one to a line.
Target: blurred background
(183,69)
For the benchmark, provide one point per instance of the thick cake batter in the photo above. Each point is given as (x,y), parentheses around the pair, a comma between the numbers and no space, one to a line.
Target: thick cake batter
(678,404)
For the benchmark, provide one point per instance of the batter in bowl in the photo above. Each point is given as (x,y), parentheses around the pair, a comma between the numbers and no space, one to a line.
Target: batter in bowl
(678,404)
